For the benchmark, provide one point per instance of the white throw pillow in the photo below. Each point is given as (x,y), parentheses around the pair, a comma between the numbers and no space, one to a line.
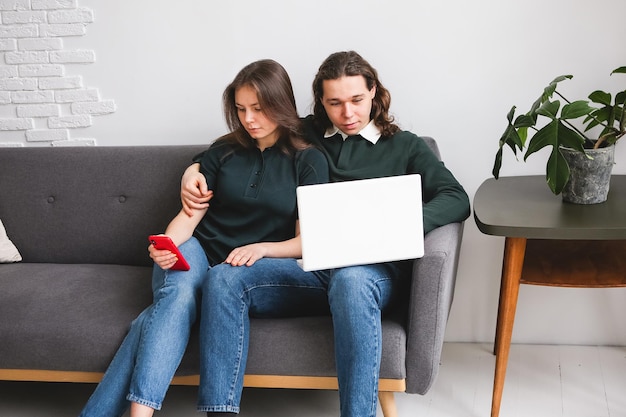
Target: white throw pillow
(8,251)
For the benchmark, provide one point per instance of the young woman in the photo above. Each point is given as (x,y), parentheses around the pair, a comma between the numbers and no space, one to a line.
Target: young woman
(352,125)
(252,174)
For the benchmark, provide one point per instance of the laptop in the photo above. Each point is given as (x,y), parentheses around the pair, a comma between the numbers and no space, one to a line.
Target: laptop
(361,222)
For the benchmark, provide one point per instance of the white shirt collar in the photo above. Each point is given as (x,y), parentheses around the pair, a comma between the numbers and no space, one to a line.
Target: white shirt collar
(371,132)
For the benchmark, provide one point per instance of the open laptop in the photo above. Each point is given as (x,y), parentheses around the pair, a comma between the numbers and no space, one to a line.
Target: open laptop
(361,222)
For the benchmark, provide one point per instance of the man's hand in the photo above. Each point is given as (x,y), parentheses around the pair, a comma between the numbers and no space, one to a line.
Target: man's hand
(194,192)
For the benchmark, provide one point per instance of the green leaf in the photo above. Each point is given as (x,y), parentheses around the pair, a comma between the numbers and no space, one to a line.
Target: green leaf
(561,78)
(600,97)
(551,88)
(547,93)
(557,172)
(621,117)
(497,164)
(524,120)
(576,109)
(549,109)
(522,132)
(534,108)
(616,114)
(569,138)
(610,137)
(597,117)
(611,140)
(510,115)
(620,98)
(620,70)
(510,138)
(546,136)
(545,96)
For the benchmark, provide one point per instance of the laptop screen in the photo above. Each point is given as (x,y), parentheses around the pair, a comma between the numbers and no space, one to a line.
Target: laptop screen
(361,222)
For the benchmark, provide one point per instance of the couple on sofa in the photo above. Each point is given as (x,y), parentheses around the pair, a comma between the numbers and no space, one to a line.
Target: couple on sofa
(238,230)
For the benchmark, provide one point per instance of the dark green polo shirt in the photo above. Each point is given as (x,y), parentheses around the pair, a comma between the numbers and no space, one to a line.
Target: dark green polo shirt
(254,196)
(445,200)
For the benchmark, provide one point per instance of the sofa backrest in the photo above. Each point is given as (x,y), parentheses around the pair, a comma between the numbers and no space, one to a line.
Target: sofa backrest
(93,204)
(90,204)
(432,144)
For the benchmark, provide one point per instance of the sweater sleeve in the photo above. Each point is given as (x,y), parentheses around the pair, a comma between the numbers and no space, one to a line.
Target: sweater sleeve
(445,200)
(311,166)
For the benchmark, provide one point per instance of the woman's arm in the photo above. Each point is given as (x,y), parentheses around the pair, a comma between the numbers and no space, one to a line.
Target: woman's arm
(249,254)
(179,230)
(182,226)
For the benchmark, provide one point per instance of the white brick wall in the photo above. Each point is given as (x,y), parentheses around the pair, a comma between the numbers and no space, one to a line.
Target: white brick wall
(37,99)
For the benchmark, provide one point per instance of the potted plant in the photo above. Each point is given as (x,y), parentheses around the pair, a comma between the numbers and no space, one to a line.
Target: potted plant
(547,123)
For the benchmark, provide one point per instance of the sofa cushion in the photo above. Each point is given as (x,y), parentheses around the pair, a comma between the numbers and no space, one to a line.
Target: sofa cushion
(78,323)
(284,347)
(67,317)
(300,346)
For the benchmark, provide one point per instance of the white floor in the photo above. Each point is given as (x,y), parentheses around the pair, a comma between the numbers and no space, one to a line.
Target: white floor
(542,381)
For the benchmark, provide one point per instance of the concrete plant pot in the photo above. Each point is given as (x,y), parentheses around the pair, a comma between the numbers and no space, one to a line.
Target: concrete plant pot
(590,174)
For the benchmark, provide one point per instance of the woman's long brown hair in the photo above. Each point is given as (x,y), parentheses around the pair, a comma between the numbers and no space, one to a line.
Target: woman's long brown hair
(274,91)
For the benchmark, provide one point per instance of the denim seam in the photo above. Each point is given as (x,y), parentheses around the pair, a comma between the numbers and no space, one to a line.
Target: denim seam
(134,398)
(231,394)
(269,284)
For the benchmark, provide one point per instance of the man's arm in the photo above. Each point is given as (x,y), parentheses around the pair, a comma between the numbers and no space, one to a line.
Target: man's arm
(194,191)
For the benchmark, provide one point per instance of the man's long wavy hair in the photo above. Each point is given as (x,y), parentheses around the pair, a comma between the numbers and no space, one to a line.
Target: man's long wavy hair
(274,92)
(348,64)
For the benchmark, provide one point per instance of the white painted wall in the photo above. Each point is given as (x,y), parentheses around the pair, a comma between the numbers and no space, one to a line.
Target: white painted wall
(454,69)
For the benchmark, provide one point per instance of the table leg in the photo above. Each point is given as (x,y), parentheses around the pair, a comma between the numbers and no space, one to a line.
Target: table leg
(514,250)
(496,343)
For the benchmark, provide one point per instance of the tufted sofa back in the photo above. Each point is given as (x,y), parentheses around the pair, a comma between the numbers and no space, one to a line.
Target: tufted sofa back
(90,204)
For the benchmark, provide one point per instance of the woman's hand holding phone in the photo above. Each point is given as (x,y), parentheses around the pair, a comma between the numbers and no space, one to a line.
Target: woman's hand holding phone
(165,253)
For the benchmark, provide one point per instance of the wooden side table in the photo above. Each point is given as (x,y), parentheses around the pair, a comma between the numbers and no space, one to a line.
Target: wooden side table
(548,242)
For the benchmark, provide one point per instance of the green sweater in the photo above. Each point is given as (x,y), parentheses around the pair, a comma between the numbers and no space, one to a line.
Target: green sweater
(445,200)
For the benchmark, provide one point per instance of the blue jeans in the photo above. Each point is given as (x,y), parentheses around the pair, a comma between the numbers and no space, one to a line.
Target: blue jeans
(145,363)
(277,287)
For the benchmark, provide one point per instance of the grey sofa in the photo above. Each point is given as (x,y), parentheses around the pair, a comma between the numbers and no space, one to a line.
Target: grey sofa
(80,218)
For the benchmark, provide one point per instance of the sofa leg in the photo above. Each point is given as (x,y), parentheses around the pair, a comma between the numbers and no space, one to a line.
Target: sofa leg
(387,403)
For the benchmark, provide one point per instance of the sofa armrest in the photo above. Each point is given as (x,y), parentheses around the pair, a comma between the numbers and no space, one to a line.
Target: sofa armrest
(432,291)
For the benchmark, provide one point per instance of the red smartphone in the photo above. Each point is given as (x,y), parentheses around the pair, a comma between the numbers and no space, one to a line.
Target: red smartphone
(163,242)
